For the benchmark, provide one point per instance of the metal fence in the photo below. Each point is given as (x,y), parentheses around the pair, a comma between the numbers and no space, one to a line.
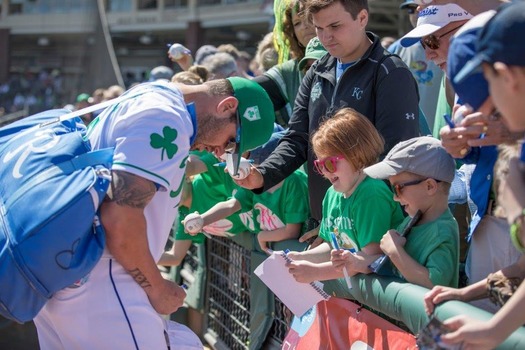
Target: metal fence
(228,307)
(227,301)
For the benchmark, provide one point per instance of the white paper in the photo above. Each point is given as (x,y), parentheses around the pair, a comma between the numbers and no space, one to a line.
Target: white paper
(298,297)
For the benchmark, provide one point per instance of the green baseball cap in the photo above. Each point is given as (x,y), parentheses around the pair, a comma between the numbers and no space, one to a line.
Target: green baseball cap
(314,51)
(255,117)
(84,97)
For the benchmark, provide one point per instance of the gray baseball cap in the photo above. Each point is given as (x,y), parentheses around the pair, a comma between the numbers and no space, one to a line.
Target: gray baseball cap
(423,156)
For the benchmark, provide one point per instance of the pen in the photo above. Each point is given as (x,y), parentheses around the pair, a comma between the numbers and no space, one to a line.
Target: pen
(379,262)
(224,163)
(449,121)
(335,245)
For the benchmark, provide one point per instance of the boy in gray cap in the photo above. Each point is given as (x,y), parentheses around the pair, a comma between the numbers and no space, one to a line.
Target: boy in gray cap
(420,172)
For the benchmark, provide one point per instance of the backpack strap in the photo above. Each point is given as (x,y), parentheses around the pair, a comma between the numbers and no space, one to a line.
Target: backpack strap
(97,107)
(101,156)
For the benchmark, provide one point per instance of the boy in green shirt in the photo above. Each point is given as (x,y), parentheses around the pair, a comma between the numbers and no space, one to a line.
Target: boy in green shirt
(420,172)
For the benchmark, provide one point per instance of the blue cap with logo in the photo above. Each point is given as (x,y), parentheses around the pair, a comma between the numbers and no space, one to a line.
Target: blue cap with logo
(501,40)
(474,90)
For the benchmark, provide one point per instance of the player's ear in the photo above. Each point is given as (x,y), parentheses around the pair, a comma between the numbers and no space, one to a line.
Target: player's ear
(227,106)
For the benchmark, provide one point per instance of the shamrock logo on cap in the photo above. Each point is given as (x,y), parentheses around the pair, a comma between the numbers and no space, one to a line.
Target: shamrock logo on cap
(252,113)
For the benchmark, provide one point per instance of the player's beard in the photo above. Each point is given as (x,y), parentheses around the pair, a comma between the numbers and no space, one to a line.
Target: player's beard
(209,126)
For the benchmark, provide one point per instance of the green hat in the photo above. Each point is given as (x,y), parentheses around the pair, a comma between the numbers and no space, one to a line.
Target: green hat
(255,117)
(314,51)
(84,97)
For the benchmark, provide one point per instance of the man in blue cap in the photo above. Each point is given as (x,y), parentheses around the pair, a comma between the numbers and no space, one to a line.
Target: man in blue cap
(490,246)
(500,51)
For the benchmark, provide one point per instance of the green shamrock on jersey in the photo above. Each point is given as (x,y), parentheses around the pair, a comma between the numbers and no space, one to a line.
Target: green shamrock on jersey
(165,142)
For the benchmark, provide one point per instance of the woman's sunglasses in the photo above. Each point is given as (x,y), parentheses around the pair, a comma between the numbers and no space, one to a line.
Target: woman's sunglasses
(329,164)
(433,42)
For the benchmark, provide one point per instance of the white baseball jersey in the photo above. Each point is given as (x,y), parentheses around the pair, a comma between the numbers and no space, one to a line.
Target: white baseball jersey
(151,135)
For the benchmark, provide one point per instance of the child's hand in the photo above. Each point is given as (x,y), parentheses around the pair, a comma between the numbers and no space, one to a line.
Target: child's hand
(312,237)
(193,223)
(181,55)
(391,242)
(262,243)
(295,255)
(471,334)
(437,295)
(354,262)
(340,258)
(303,271)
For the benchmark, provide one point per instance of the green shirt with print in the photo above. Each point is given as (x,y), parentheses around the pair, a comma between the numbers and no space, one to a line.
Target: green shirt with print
(362,218)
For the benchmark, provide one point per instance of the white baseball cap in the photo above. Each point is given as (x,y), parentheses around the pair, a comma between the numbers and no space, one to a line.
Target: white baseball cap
(433,18)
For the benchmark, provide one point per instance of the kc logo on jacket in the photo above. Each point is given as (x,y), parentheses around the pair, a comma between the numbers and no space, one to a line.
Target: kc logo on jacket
(357,93)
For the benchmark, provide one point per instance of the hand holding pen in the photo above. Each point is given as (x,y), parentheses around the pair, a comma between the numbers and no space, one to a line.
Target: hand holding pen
(335,245)
(452,139)
(377,265)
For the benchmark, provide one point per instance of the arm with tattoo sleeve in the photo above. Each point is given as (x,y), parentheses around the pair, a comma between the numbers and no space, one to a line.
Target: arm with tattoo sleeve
(122,215)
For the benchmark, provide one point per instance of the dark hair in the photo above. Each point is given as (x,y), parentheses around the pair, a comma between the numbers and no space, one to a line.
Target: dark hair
(351,6)
(220,87)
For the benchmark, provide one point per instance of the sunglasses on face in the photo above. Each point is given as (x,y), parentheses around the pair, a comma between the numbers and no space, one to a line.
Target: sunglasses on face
(328,164)
(433,42)
(398,188)
(230,146)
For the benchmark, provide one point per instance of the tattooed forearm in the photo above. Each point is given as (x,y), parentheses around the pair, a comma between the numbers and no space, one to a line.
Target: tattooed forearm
(130,190)
(139,277)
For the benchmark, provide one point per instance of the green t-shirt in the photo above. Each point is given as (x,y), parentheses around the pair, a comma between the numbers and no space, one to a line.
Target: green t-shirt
(442,107)
(217,181)
(178,228)
(288,204)
(435,245)
(362,218)
(209,188)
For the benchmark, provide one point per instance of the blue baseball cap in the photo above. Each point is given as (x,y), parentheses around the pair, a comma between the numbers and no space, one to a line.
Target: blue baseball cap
(473,90)
(501,40)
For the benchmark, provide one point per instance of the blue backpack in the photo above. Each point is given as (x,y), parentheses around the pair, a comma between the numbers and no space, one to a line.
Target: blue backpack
(52,185)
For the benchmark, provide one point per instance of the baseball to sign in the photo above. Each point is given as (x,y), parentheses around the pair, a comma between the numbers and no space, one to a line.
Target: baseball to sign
(193,223)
